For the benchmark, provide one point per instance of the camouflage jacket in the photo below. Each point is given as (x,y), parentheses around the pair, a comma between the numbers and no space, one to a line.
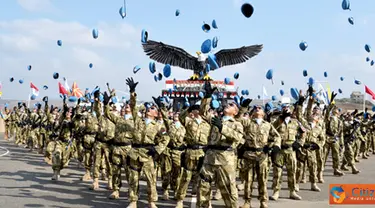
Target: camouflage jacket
(124,128)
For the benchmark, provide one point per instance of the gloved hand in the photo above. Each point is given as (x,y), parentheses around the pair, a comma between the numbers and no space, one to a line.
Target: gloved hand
(301,100)
(39,106)
(152,152)
(245,102)
(24,105)
(64,98)
(132,85)
(217,122)
(310,90)
(97,92)
(296,145)
(314,146)
(106,98)
(79,101)
(333,95)
(158,102)
(306,146)
(208,89)
(45,100)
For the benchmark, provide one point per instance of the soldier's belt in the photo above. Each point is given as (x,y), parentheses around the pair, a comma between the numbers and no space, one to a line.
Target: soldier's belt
(103,141)
(330,134)
(286,146)
(196,147)
(121,143)
(146,146)
(253,149)
(180,148)
(218,147)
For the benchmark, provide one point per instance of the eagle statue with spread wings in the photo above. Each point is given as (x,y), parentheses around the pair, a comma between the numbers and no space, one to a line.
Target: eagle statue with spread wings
(175,56)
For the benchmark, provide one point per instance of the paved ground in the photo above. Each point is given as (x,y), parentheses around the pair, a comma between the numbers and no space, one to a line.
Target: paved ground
(25,181)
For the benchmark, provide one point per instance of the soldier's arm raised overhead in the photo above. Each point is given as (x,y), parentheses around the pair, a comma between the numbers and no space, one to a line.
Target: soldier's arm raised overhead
(133,97)
(206,102)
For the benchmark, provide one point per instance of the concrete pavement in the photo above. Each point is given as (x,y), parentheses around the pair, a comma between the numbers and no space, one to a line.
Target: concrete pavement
(25,181)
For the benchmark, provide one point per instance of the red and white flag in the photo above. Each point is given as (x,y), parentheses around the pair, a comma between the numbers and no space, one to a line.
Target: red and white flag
(34,89)
(62,90)
(370,92)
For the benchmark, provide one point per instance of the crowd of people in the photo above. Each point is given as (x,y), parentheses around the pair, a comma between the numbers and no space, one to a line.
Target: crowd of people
(230,147)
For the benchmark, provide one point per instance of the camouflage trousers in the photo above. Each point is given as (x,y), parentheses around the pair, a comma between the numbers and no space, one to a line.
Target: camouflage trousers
(357,148)
(349,157)
(61,155)
(224,177)
(372,143)
(6,131)
(101,153)
(33,138)
(190,171)
(287,159)
(119,159)
(171,169)
(42,137)
(255,168)
(364,144)
(335,148)
(311,163)
(20,135)
(87,151)
(149,170)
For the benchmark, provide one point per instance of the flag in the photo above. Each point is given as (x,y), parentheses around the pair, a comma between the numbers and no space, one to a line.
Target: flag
(322,94)
(1,87)
(76,91)
(67,88)
(329,94)
(264,91)
(34,89)
(370,92)
(62,90)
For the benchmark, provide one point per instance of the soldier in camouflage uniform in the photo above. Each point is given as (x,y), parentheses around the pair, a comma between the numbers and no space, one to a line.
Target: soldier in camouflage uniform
(366,135)
(62,152)
(289,129)
(197,132)
(121,145)
(88,141)
(22,125)
(52,126)
(106,133)
(171,157)
(42,131)
(7,122)
(144,149)
(13,127)
(33,119)
(220,161)
(351,133)
(335,140)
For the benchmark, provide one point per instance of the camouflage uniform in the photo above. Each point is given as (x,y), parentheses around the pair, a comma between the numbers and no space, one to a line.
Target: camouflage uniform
(7,123)
(62,151)
(220,161)
(33,129)
(42,134)
(120,147)
(289,132)
(13,126)
(258,140)
(141,156)
(334,141)
(351,134)
(171,157)
(366,135)
(51,133)
(197,132)
(88,141)
(106,133)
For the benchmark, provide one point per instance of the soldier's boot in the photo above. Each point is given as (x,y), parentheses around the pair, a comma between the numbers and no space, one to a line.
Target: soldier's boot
(48,160)
(247,204)
(56,175)
(355,170)
(295,196)
(110,184)
(364,156)
(320,177)
(241,187)
(275,196)
(337,173)
(114,195)
(263,204)
(87,176)
(152,205)
(95,184)
(218,195)
(180,204)
(315,187)
(303,180)
(356,160)
(166,195)
(373,152)
(344,168)
(297,188)
(132,204)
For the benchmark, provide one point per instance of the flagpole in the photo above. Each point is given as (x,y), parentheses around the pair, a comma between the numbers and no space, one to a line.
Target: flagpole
(263,94)
(364,97)
(28,100)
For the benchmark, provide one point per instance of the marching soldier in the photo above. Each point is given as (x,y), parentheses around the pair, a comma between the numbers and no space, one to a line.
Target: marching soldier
(144,149)
(352,133)
(220,161)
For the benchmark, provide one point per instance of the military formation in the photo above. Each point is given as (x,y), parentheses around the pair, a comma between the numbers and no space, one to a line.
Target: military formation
(229,147)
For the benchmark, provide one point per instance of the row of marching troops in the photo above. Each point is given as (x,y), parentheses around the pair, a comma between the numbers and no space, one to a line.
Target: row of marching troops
(196,144)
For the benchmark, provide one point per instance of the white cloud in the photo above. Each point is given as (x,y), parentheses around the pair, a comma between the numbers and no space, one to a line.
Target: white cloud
(35,5)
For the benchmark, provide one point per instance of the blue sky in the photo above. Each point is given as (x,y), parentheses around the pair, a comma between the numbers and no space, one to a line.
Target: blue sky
(29,30)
